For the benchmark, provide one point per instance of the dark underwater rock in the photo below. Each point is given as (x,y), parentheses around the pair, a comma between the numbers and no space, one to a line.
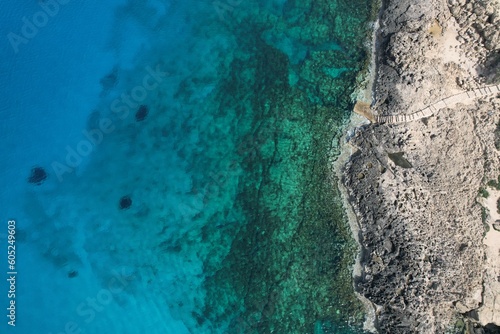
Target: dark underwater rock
(109,81)
(72,274)
(142,113)
(38,175)
(93,120)
(125,202)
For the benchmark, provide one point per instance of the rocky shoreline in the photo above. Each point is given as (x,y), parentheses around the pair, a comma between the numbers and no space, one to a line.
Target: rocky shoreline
(414,187)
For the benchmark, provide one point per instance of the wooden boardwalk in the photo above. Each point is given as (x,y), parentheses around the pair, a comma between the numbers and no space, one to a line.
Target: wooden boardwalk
(447,102)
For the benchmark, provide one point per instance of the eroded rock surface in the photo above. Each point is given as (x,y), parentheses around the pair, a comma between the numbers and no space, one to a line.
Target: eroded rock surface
(421,229)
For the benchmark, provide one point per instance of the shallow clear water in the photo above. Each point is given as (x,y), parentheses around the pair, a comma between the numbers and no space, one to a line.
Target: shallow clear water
(188,150)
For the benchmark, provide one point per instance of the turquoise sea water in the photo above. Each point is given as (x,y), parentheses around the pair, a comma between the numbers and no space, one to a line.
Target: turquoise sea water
(188,149)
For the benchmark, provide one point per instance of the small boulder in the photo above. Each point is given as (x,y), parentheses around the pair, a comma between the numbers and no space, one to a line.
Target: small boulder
(388,246)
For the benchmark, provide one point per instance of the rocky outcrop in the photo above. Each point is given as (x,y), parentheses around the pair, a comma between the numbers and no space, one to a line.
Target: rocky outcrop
(479,23)
(420,224)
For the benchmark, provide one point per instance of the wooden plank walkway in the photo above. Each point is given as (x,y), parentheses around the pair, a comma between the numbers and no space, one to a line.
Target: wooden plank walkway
(435,107)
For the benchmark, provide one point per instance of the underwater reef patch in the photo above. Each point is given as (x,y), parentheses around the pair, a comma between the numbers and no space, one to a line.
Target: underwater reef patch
(72,274)
(125,202)
(142,113)
(38,175)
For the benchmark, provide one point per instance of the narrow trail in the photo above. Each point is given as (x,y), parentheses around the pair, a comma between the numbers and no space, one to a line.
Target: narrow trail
(435,107)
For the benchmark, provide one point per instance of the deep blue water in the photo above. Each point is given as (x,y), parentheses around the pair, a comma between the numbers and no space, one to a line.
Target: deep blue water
(183,143)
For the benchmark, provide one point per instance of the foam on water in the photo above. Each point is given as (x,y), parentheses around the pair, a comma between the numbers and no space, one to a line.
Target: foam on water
(232,226)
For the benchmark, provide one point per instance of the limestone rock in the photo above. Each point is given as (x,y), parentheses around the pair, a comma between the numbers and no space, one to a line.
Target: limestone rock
(421,227)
